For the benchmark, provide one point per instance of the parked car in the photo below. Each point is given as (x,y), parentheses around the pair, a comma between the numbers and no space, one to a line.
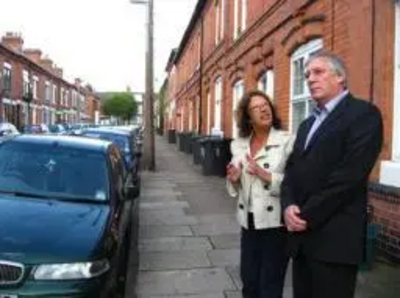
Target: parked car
(36,129)
(57,129)
(125,140)
(138,136)
(7,129)
(66,206)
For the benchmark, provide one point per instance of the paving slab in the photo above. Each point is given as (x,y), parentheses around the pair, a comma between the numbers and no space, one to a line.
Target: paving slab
(224,257)
(152,261)
(225,241)
(174,244)
(185,296)
(179,282)
(164,231)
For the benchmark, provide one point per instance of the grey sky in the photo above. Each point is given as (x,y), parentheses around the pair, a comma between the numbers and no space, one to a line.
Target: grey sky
(100,41)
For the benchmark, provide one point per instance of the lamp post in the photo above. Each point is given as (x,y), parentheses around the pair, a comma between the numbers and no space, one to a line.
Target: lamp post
(148,144)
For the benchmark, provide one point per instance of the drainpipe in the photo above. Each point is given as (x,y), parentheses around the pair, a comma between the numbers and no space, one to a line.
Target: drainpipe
(201,74)
(371,82)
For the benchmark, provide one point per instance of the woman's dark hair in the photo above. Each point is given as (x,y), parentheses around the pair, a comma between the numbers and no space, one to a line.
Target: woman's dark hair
(243,116)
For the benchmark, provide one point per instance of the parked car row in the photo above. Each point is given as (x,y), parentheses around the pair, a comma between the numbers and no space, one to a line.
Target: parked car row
(68,209)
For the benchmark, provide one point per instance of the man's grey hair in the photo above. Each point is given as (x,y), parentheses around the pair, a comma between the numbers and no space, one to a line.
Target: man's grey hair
(336,63)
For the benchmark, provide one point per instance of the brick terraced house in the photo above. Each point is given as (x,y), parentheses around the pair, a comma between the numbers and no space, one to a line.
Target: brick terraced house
(231,46)
(27,71)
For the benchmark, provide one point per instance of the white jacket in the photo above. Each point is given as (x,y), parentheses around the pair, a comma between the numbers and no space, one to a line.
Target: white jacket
(265,200)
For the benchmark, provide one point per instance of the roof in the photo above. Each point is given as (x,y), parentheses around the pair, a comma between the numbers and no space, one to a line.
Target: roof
(195,16)
(62,141)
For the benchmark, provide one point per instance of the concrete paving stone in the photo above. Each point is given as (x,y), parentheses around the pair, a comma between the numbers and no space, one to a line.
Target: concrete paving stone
(161,213)
(160,193)
(224,257)
(174,244)
(233,294)
(167,219)
(287,292)
(214,229)
(163,205)
(151,261)
(185,296)
(225,241)
(158,200)
(164,231)
(234,273)
(179,282)
(222,219)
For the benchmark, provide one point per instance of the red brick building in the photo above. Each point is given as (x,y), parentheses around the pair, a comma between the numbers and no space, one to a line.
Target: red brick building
(25,71)
(231,46)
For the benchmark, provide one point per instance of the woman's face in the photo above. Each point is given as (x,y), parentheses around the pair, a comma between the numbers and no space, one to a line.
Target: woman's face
(260,112)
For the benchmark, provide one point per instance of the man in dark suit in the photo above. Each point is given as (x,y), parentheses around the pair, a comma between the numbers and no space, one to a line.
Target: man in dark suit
(324,191)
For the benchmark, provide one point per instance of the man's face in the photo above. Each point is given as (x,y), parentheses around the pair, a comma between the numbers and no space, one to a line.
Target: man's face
(323,82)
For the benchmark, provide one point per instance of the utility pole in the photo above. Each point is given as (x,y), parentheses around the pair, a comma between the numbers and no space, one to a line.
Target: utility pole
(148,142)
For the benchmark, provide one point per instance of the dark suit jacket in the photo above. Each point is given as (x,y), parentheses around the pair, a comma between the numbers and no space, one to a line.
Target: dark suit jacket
(328,181)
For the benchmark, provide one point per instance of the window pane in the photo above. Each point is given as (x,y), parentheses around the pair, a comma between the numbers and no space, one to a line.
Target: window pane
(298,76)
(299,110)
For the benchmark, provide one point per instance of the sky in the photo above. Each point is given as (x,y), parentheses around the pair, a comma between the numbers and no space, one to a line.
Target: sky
(102,42)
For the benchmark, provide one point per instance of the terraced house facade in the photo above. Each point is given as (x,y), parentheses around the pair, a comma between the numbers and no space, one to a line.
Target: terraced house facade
(33,90)
(232,46)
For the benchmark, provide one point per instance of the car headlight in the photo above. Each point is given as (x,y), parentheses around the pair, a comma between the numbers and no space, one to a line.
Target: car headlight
(71,270)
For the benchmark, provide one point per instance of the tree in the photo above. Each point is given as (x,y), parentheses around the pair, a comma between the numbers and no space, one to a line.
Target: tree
(121,105)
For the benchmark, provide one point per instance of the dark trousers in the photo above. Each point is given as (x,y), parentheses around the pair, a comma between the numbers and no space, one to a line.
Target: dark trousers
(316,279)
(263,262)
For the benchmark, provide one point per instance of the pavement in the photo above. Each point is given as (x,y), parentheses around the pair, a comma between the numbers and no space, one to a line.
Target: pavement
(189,237)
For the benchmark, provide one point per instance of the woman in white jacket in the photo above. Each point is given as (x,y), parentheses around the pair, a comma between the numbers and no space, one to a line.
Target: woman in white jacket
(254,175)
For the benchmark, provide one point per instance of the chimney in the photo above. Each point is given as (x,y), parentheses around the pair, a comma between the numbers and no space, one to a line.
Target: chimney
(47,63)
(78,82)
(13,41)
(58,71)
(33,54)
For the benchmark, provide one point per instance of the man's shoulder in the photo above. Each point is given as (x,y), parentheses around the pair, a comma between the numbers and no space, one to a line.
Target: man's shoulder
(362,105)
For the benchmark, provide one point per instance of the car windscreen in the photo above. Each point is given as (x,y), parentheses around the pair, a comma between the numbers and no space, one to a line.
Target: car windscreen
(53,171)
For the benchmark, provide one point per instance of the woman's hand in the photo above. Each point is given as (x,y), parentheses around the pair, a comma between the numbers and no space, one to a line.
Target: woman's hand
(254,169)
(233,173)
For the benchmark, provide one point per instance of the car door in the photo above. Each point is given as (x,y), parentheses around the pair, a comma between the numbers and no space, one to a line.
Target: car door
(123,204)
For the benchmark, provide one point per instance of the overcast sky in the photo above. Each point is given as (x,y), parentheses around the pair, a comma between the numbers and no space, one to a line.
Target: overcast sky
(100,41)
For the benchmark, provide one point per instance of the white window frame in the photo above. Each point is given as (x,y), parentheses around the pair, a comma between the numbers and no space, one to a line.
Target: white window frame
(244,15)
(208,112)
(35,87)
(390,169)
(222,20)
(302,53)
(191,115)
(266,83)
(235,19)
(217,20)
(218,104)
(237,94)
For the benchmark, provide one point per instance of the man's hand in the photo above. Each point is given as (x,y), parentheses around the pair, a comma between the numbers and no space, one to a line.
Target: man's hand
(233,173)
(293,221)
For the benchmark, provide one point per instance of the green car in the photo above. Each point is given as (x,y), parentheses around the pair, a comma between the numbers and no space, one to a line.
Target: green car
(67,213)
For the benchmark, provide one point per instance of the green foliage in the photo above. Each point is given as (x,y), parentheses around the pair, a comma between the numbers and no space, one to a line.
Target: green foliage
(121,105)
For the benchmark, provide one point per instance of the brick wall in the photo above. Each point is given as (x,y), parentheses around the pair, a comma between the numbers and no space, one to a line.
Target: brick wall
(385,202)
